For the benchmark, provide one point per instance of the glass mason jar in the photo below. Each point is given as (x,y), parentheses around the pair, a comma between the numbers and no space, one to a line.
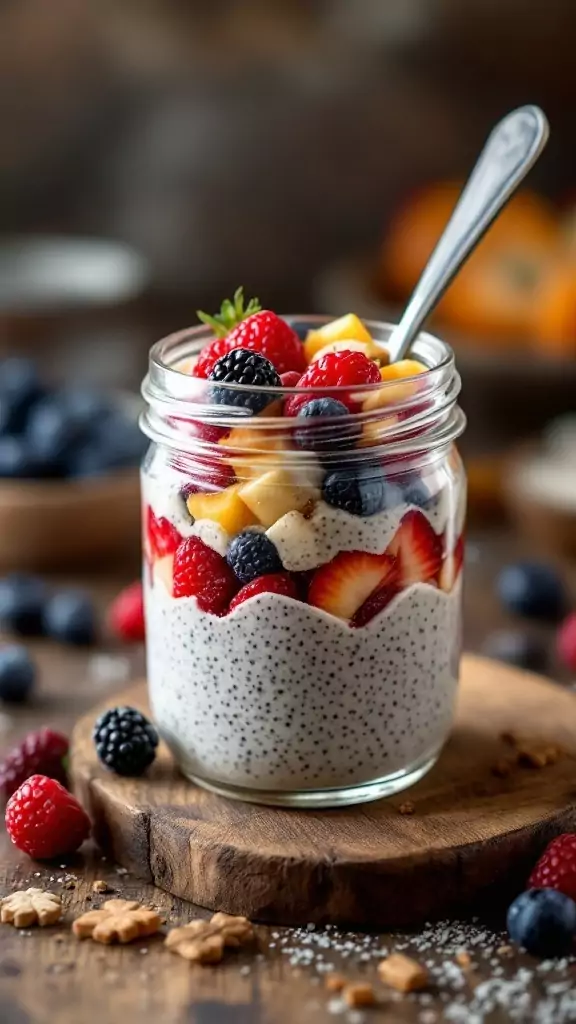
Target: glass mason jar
(331,677)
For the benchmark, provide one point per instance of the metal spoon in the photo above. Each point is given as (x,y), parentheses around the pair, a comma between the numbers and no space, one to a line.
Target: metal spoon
(512,149)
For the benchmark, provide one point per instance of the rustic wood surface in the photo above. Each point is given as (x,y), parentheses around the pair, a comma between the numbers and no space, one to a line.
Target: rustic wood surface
(51,977)
(367,866)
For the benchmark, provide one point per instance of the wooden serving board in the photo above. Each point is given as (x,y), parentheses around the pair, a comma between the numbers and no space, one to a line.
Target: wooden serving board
(472,836)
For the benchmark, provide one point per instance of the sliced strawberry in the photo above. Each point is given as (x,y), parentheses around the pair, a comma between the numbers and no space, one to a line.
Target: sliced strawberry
(375,603)
(201,572)
(164,572)
(163,538)
(418,550)
(452,566)
(342,586)
(273,583)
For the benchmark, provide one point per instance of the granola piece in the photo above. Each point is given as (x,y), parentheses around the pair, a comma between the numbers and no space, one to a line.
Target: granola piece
(403,973)
(204,942)
(117,921)
(407,807)
(359,994)
(31,906)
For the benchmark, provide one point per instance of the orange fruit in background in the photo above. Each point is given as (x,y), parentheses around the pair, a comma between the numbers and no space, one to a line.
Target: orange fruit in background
(493,294)
(554,319)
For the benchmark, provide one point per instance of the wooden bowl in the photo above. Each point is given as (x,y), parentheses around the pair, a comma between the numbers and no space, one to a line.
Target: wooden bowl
(69,524)
(548,524)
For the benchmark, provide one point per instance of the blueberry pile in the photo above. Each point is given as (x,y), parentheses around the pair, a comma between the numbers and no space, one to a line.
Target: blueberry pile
(51,433)
(29,608)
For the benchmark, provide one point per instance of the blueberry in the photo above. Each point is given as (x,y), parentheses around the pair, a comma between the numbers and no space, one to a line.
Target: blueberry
(69,617)
(517,648)
(543,922)
(532,589)
(415,492)
(16,460)
(330,436)
(20,388)
(22,600)
(52,432)
(86,406)
(17,674)
(363,491)
(253,554)
(121,438)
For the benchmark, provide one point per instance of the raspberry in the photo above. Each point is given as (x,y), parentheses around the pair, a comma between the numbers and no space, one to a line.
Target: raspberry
(267,333)
(556,868)
(42,752)
(202,573)
(163,537)
(209,355)
(44,820)
(566,642)
(290,379)
(126,613)
(276,583)
(125,741)
(336,369)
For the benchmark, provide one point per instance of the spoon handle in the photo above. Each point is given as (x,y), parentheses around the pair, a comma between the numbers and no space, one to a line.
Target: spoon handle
(512,148)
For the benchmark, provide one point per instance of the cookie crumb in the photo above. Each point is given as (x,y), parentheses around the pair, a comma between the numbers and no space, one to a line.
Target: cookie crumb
(403,973)
(359,994)
(407,807)
(538,756)
(100,886)
(335,982)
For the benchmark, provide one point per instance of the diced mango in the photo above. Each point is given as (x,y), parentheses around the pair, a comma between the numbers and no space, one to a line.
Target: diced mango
(247,438)
(374,431)
(275,493)
(224,507)
(391,395)
(370,349)
(345,328)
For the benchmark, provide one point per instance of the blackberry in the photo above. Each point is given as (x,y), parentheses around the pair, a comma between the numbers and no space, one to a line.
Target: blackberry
(242,366)
(253,554)
(332,436)
(362,491)
(125,741)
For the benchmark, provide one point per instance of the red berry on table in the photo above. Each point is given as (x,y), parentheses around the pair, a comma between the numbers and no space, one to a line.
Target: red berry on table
(126,613)
(556,868)
(42,752)
(566,642)
(44,820)
(335,370)
(274,583)
(163,538)
(201,572)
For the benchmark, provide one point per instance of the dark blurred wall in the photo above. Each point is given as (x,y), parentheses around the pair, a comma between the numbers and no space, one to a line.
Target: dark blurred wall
(253,141)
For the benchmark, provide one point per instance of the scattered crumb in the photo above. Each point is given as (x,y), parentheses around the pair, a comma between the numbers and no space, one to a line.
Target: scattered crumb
(505,950)
(403,973)
(121,871)
(334,982)
(100,886)
(463,958)
(359,994)
(538,756)
(407,807)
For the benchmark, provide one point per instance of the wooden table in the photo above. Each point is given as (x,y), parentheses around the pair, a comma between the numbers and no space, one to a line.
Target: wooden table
(50,976)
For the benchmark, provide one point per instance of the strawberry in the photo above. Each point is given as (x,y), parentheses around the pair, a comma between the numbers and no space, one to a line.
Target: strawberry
(335,370)
(126,613)
(44,820)
(343,585)
(209,476)
(452,566)
(43,751)
(566,642)
(418,550)
(201,572)
(274,583)
(556,868)
(163,538)
(377,601)
(254,328)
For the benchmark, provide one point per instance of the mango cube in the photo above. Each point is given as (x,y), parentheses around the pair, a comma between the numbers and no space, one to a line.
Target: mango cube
(246,467)
(391,395)
(224,507)
(345,328)
(272,495)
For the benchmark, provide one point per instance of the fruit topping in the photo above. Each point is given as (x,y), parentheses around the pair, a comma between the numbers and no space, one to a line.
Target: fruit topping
(418,550)
(17,674)
(543,922)
(278,492)
(336,370)
(329,436)
(343,585)
(223,507)
(40,753)
(44,820)
(22,599)
(125,741)
(400,393)
(163,538)
(126,613)
(566,642)
(290,378)
(252,554)
(263,445)
(274,583)
(362,491)
(243,367)
(202,573)
(346,328)
(69,616)
(259,330)
(532,589)
(164,573)
(556,868)
(379,600)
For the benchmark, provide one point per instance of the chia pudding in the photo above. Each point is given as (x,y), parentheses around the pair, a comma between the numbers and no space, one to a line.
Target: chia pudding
(303,557)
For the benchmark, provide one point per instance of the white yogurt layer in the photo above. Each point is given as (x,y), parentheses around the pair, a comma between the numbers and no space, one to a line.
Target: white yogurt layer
(280,695)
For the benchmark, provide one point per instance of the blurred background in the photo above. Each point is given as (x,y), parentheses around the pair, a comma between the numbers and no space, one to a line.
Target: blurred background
(155,154)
